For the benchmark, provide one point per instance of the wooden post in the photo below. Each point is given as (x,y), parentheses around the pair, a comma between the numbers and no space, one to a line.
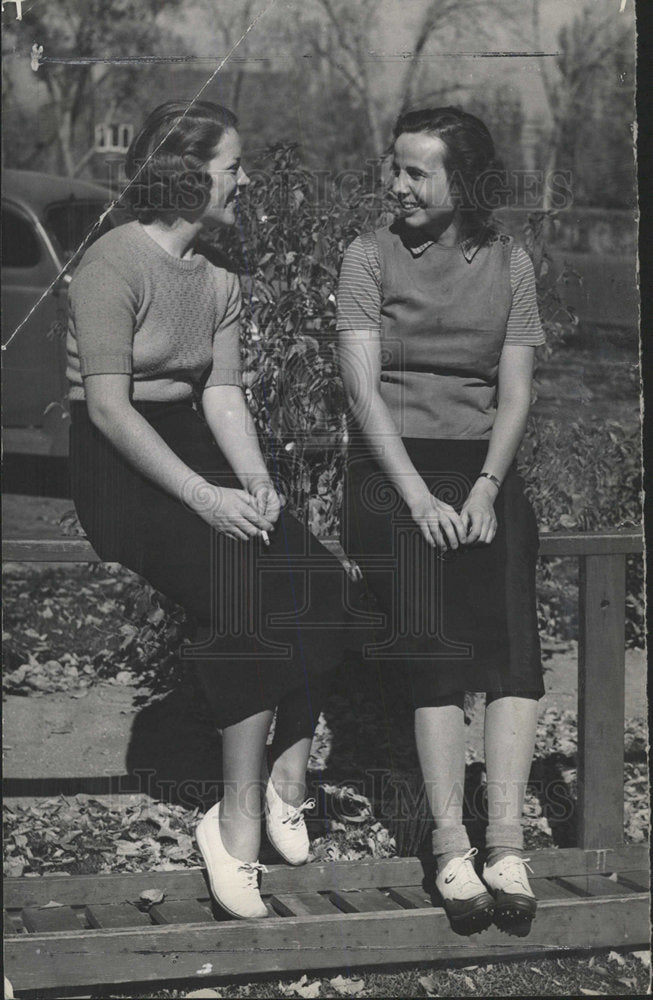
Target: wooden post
(601,682)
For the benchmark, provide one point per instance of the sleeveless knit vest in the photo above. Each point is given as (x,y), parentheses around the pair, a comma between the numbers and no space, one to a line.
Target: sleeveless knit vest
(443,324)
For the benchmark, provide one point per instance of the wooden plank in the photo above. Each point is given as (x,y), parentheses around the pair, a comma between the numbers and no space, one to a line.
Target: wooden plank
(54,918)
(108,915)
(8,926)
(596,885)
(641,881)
(337,875)
(181,911)
(302,904)
(411,898)
(364,901)
(601,693)
(545,888)
(48,550)
(580,543)
(551,544)
(166,954)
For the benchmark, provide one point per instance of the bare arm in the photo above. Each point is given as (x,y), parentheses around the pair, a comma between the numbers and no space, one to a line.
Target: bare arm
(513,405)
(360,354)
(110,410)
(228,416)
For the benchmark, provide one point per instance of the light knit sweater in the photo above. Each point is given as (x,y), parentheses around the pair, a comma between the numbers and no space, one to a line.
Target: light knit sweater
(172,324)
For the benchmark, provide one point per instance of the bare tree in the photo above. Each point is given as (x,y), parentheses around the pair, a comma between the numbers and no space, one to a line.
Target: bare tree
(346,47)
(228,22)
(79,41)
(588,49)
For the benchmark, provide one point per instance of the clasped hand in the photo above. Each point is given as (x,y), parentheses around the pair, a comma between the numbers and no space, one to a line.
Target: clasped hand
(441,525)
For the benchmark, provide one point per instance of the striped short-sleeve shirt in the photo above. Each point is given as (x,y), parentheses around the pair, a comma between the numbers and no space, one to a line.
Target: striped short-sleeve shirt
(360,293)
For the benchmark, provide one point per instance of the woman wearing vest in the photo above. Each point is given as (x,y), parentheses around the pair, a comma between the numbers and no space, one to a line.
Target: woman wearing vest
(438,326)
(186,500)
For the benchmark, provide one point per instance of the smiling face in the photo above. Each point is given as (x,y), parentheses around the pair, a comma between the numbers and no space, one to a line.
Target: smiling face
(228,177)
(420,182)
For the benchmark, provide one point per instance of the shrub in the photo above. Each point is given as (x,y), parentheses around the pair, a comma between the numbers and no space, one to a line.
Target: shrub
(577,476)
(288,249)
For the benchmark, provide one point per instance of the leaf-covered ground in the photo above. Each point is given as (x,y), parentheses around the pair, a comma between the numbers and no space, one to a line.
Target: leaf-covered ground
(67,629)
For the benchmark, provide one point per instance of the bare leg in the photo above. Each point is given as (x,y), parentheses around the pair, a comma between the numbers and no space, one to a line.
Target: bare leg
(243,746)
(510,725)
(297,715)
(288,772)
(440,740)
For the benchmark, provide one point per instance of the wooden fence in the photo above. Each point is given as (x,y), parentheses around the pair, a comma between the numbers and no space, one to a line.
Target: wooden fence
(343,914)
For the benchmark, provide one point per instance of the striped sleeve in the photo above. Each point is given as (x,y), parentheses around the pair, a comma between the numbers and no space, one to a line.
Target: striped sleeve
(524,327)
(359,286)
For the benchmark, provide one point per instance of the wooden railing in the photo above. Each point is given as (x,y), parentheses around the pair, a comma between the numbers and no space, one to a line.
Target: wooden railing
(601,661)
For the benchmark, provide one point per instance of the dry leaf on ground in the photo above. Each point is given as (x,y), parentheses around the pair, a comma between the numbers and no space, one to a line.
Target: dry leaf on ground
(347,987)
(429,985)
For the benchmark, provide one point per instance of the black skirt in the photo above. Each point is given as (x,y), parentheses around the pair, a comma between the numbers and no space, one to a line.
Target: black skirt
(272,620)
(464,620)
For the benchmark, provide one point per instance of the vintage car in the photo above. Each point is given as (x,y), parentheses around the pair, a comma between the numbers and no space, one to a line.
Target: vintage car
(45,219)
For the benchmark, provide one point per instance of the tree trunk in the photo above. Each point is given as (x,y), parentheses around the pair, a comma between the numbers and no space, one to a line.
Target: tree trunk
(65,138)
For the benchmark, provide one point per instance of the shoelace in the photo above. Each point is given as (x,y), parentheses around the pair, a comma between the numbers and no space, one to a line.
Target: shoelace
(514,869)
(251,870)
(295,814)
(460,862)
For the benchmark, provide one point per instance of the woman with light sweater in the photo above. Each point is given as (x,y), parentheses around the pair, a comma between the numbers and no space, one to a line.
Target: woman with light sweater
(168,479)
(438,326)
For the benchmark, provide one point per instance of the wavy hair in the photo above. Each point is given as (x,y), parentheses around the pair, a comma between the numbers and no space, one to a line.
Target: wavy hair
(478,178)
(166,160)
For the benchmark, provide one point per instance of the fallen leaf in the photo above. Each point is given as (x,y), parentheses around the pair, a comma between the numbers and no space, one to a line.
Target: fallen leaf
(644,957)
(302,988)
(591,993)
(469,982)
(429,985)
(126,848)
(152,896)
(630,983)
(50,905)
(202,993)
(347,987)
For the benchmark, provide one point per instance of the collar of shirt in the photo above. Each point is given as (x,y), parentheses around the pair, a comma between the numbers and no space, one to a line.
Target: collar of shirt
(468,247)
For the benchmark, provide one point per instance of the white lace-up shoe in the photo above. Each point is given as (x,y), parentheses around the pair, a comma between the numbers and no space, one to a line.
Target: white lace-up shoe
(234,883)
(508,882)
(466,900)
(285,825)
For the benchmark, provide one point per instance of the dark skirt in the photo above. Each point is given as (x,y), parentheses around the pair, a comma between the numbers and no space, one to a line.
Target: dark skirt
(464,620)
(273,621)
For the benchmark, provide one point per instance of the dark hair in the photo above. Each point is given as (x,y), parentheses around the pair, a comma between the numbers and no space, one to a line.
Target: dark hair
(478,178)
(166,160)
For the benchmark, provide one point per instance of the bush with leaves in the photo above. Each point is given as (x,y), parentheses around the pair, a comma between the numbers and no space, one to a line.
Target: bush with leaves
(287,248)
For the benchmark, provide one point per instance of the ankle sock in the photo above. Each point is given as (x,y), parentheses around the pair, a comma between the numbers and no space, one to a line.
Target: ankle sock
(502,839)
(449,842)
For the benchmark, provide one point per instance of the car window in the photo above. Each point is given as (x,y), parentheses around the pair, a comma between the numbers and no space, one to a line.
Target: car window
(69,223)
(21,246)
